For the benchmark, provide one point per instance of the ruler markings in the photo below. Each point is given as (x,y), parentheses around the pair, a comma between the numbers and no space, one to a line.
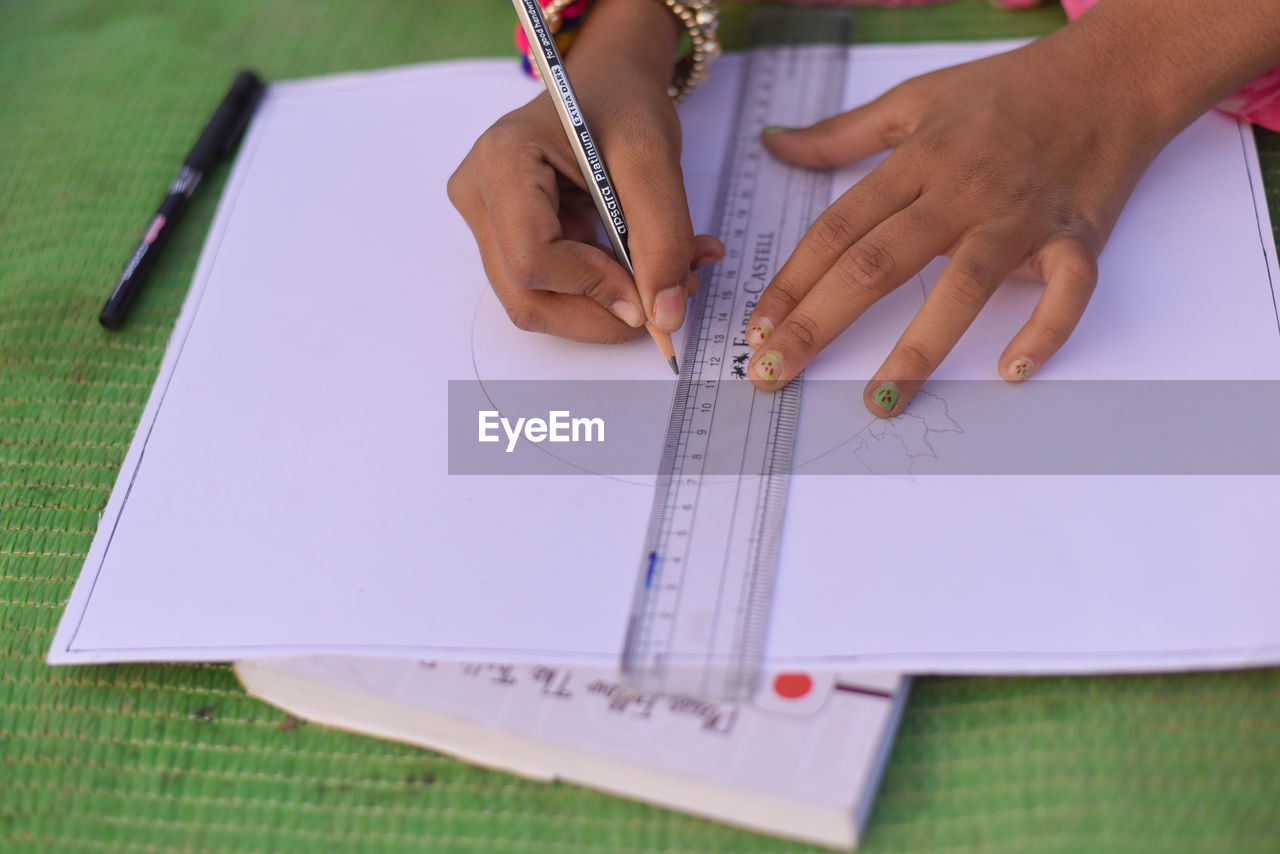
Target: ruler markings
(700,615)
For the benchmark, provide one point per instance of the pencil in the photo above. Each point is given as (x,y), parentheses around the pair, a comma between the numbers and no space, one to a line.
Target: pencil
(663,340)
(546,56)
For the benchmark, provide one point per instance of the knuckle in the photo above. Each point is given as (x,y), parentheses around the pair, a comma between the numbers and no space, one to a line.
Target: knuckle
(1054,333)
(894,128)
(464,188)
(833,231)
(526,317)
(489,146)
(969,281)
(499,136)
(916,363)
(899,107)
(1074,223)
(893,122)
(785,292)
(596,288)
(1081,273)
(506,146)
(915,91)
(455,187)
(865,267)
(803,330)
(1068,261)
(526,273)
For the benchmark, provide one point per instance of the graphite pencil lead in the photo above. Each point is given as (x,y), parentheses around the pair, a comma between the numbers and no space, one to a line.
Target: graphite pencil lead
(675,369)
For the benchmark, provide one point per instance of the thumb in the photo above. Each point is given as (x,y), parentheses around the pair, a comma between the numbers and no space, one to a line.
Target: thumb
(841,139)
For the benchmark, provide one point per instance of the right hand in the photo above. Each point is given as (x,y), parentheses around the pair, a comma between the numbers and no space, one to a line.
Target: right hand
(523,196)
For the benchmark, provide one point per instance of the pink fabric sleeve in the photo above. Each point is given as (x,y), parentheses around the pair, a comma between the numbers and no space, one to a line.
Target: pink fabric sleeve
(1258,102)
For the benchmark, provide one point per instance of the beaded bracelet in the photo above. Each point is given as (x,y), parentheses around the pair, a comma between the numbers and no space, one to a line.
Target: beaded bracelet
(700,19)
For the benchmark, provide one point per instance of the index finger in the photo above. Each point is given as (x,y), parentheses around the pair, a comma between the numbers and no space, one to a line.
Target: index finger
(864,206)
(891,253)
(528,238)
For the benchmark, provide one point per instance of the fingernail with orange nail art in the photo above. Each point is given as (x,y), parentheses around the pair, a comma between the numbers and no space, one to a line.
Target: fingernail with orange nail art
(1020,369)
(759,332)
(769,366)
(886,396)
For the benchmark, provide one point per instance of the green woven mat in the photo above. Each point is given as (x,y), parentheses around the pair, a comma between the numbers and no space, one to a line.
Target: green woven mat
(98,102)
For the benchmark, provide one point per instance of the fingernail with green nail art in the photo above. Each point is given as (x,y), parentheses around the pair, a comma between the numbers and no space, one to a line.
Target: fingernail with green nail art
(886,396)
(769,367)
(772,129)
(1020,369)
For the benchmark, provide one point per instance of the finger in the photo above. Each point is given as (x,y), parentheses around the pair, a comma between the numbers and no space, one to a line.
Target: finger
(528,241)
(660,233)
(867,204)
(707,249)
(980,264)
(844,138)
(569,316)
(891,253)
(580,225)
(1070,270)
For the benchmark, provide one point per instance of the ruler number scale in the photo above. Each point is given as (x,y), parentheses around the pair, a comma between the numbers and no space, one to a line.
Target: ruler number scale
(700,614)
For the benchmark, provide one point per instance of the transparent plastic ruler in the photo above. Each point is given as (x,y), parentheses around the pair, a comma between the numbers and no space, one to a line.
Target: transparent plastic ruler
(701,609)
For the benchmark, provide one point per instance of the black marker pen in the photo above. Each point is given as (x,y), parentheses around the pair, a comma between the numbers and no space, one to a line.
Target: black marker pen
(218,138)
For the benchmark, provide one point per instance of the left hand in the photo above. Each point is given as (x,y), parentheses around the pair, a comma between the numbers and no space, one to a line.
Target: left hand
(1010,161)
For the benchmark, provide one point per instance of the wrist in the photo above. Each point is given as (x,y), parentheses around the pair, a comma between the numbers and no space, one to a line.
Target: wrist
(632,37)
(1163,63)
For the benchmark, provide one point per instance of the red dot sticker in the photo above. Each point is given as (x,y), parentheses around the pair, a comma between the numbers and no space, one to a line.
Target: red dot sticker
(792,686)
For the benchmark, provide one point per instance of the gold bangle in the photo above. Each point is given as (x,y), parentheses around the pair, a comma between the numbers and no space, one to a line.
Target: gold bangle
(700,19)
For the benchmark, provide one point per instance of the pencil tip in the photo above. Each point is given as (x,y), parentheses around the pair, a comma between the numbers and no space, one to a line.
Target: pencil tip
(675,369)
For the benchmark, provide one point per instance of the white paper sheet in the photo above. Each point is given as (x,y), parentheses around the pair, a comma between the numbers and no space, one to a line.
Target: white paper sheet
(288,493)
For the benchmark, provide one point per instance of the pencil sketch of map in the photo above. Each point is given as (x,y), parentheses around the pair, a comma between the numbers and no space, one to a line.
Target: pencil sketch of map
(920,433)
